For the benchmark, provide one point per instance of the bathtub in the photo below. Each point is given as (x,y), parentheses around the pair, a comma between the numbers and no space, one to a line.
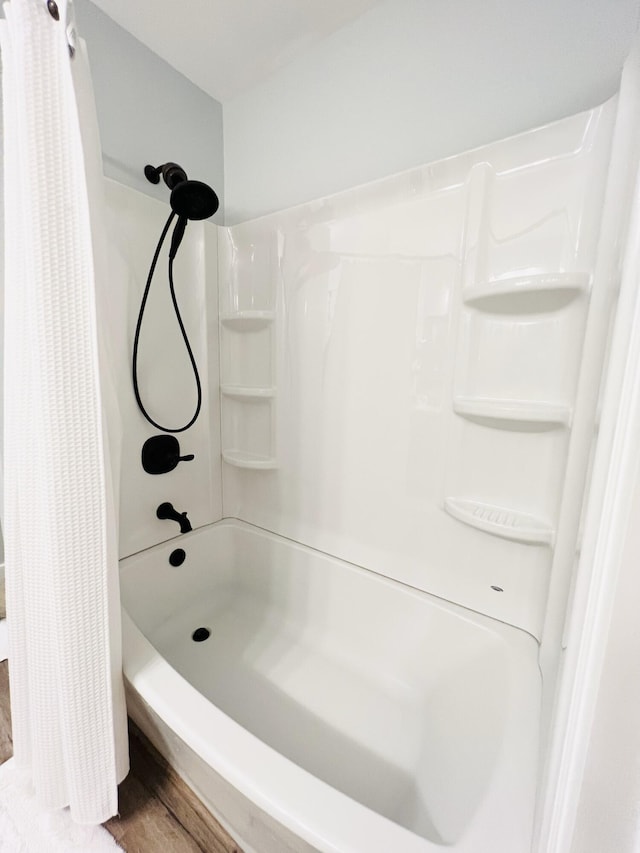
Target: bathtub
(329,708)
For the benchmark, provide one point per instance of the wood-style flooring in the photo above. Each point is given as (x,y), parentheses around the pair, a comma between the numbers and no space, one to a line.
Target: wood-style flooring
(6,744)
(158,812)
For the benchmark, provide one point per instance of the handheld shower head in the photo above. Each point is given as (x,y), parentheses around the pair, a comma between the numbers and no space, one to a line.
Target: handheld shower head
(189,199)
(194,200)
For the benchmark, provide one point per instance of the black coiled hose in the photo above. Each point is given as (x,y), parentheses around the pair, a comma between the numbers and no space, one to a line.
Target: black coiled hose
(136,388)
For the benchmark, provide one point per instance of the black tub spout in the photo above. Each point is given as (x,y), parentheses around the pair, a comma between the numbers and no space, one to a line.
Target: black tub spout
(166,510)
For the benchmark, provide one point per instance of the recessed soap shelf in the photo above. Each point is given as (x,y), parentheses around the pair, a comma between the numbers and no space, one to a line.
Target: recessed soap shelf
(499,521)
(243,392)
(247,321)
(240,459)
(527,294)
(513,414)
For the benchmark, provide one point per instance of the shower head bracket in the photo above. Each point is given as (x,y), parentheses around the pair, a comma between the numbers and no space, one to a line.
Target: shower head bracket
(171,172)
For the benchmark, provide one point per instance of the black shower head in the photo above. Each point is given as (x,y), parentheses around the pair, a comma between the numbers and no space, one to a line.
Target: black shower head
(189,199)
(194,200)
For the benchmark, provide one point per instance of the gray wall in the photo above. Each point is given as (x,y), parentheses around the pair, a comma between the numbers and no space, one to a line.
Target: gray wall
(412,81)
(147,111)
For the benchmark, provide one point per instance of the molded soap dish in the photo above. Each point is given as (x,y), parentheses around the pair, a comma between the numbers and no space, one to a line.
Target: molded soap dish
(248,321)
(244,392)
(527,294)
(510,414)
(248,460)
(499,521)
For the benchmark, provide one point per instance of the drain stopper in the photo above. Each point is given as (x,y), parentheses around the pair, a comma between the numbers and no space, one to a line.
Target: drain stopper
(200,635)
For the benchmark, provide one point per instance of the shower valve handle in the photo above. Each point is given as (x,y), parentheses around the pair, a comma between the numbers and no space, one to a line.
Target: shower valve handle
(161,454)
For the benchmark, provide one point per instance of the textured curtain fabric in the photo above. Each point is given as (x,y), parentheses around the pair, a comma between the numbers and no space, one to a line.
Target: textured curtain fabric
(61,426)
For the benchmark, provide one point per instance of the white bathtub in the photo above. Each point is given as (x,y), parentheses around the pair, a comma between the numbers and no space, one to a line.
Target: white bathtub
(330,709)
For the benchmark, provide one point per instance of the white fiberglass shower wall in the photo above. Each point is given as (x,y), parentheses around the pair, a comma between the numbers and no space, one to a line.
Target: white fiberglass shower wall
(167,383)
(400,366)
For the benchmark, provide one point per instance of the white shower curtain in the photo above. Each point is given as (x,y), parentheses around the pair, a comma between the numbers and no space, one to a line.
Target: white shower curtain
(60,426)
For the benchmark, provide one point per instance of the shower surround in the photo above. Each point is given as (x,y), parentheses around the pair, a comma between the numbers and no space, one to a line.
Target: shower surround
(404,378)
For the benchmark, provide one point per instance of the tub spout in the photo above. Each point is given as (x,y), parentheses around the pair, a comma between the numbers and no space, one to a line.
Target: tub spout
(166,510)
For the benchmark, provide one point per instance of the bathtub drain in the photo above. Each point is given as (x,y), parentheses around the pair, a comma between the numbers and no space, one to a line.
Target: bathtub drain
(177,557)
(200,635)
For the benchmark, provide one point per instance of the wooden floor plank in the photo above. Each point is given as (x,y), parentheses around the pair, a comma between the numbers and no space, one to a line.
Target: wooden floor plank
(176,796)
(145,825)
(158,812)
(6,742)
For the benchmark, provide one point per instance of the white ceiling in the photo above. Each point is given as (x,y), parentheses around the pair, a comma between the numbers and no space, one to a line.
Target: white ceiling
(225,47)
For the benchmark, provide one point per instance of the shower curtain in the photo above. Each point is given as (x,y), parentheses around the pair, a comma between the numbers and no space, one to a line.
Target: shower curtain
(61,422)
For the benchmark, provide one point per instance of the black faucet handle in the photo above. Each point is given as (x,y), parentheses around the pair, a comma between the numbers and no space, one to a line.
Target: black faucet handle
(161,454)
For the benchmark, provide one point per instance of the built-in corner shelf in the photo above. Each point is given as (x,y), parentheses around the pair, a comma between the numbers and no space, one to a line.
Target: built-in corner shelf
(499,521)
(247,321)
(527,294)
(239,459)
(243,392)
(513,414)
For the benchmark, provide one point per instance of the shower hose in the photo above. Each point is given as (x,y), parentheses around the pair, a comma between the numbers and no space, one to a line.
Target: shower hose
(185,337)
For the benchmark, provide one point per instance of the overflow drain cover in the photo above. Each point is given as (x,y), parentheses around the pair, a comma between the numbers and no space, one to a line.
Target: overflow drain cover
(200,635)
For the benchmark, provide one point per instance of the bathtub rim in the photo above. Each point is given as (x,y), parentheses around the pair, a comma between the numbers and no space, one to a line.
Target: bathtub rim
(284,790)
